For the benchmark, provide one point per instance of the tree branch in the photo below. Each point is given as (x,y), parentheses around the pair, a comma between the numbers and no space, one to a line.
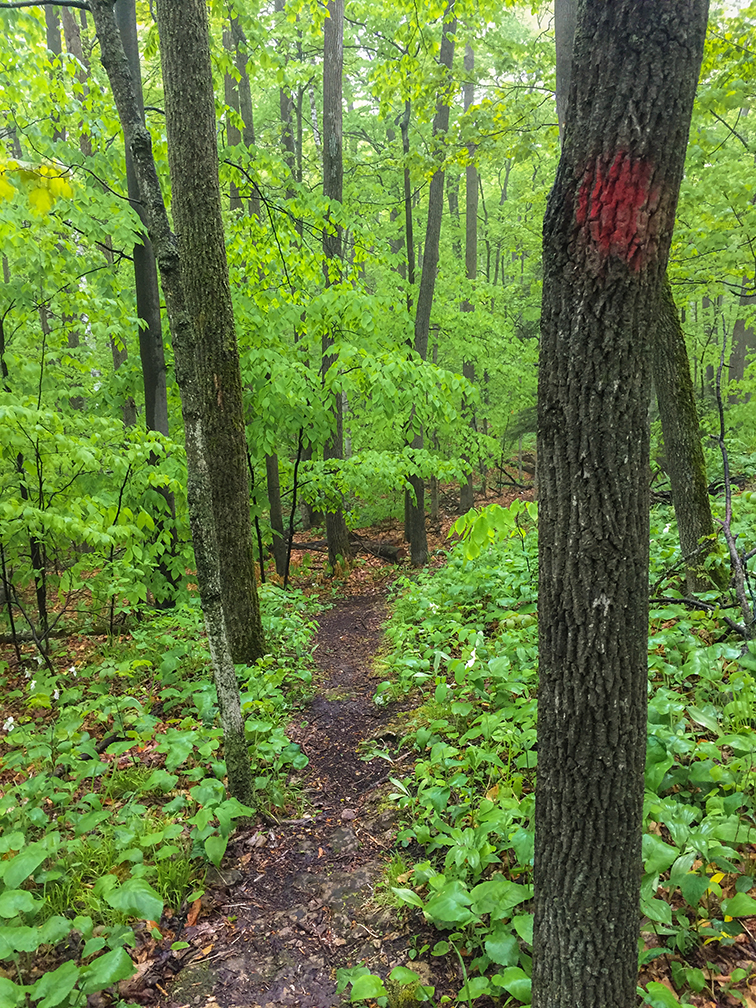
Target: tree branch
(46,3)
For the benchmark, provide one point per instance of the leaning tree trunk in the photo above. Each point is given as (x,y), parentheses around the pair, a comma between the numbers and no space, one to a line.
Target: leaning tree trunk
(607,234)
(337,535)
(682,439)
(193,159)
(199,493)
(415,512)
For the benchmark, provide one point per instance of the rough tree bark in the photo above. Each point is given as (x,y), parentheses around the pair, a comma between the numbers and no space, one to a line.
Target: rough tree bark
(193,160)
(415,512)
(199,493)
(333,183)
(607,233)
(670,369)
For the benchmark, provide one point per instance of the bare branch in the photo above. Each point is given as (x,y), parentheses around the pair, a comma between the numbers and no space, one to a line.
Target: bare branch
(46,3)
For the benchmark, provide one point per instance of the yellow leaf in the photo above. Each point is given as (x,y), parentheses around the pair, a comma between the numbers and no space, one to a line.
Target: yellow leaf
(41,200)
(6,189)
(61,187)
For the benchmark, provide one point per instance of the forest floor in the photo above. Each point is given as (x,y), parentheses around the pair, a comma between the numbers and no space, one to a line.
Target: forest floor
(294,902)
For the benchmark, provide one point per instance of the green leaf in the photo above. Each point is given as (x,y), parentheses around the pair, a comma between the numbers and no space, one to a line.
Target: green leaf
(19,868)
(107,970)
(11,995)
(693,886)
(741,905)
(450,904)
(660,996)
(367,986)
(502,947)
(215,848)
(704,719)
(18,901)
(523,925)
(657,855)
(136,898)
(403,975)
(516,981)
(657,910)
(90,821)
(408,896)
(52,988)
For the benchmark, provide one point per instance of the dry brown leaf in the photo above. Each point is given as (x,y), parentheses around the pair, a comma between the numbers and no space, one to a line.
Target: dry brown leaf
(194,912)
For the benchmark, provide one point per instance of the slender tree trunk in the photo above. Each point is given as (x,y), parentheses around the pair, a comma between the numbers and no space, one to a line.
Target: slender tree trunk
(193,159)
(466,490)
(607,233)
(150,329)
(199,493)
(333,181)
(276,513)
(416,511)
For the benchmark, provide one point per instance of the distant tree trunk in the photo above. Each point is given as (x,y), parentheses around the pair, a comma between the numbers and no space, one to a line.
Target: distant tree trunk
(233,133)
(55,46)
(565,17)
(607,233)
(276,513)
(467,490)
(409,241)
(743,343)
(452,197)
(333,181)
(150,328)
(416,511)
(245,102)
(682,438)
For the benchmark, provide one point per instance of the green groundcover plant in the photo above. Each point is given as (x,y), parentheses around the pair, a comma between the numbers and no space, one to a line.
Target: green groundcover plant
(112,796)
(465,636)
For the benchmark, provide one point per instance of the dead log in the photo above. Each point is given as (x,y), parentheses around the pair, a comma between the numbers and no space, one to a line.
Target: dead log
(383,550)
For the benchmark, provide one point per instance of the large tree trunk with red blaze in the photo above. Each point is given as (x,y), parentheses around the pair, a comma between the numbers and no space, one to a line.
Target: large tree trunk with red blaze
(607,234)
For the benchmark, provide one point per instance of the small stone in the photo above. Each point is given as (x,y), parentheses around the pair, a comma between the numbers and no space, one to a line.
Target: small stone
(348,814)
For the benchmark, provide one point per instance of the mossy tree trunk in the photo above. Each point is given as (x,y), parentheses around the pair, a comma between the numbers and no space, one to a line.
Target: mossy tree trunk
(184,334)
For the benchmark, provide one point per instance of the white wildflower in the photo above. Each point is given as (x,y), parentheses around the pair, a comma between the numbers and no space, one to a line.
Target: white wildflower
(27,674)
(56,694)
(473,656)
(8,724)
(72,670)
(32,684)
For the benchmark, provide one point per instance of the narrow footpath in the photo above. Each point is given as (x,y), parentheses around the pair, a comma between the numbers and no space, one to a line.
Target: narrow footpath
(294,902)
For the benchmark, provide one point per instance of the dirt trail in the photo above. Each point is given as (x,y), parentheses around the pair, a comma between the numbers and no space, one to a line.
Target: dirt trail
(301,894)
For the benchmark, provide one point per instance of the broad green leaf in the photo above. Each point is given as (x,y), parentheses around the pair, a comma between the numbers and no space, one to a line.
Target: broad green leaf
(704,719)
(90,821)
(523,925)
(403,975)
(408,896)
(367,986)
(450,904)
(499,895)
(11,995)
(516,981)
(52,988)
(19,868)
(740,905)
(215,848)
(502,947)
(107,970)
(660,996)
(693,886)
(657,910)
(21,939)
(136,898)
(18,901)
(658,856)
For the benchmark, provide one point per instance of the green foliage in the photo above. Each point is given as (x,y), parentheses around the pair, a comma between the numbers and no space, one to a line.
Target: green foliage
(94,839)
(465,637)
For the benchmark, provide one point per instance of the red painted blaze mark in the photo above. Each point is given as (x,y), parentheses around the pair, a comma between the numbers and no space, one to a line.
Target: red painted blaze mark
(615,208)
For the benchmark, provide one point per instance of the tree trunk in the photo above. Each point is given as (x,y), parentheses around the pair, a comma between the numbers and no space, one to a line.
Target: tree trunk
(682,439)
(466,490)
(416,510)
(333,182)
(276,513)
(193,160)
(607,234)
(199,493)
